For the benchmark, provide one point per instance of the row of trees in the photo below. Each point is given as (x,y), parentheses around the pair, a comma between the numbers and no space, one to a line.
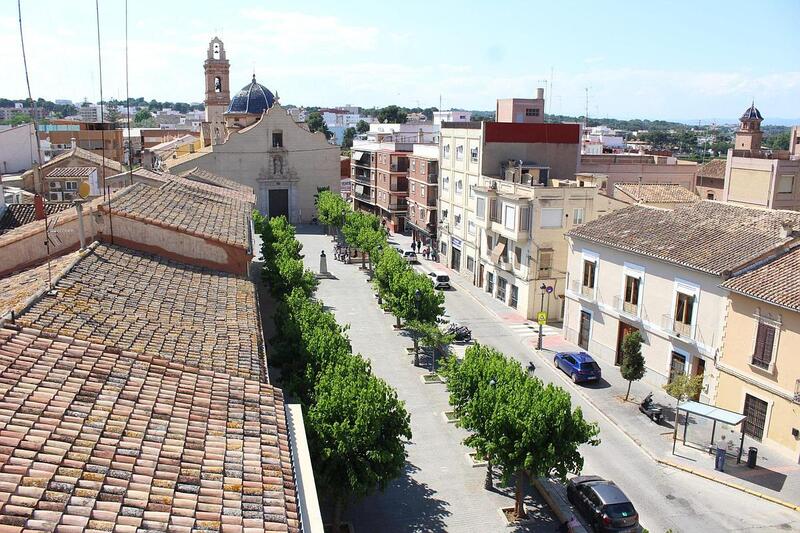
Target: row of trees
(517,423)
(357,427)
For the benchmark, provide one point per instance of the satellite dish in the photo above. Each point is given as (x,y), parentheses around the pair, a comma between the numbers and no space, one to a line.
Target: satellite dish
(83,189)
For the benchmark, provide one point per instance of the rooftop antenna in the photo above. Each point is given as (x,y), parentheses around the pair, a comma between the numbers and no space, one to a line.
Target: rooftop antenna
(102,103)
(128,99)
(586,114)
(548,103)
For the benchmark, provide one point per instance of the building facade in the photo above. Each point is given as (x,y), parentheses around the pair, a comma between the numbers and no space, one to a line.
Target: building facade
(759,367)
(710,182)
(217,92)
(18,150)
(423,193)
(521,110)
(628,168)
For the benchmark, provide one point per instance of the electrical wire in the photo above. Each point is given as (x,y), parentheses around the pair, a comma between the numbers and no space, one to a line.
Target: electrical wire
(102,103)
(128,99)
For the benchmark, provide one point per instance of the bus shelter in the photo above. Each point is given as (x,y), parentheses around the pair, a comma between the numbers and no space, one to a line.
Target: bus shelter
(715,415)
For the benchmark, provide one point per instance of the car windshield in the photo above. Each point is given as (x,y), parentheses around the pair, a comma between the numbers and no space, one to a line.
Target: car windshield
(620,510)
(590,367)
(442,278)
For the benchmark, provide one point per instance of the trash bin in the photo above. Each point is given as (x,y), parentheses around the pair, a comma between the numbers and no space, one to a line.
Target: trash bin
(752,455)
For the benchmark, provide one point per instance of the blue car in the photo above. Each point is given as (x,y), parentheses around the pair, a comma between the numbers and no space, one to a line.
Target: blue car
(578,365)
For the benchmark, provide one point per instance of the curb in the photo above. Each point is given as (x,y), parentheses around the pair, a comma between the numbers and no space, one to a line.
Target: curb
(736,486)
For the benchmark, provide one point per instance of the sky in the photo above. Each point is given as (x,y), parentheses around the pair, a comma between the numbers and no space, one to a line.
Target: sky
(679,60)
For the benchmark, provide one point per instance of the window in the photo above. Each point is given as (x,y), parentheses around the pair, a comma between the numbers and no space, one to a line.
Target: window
(470,264)
(501,289)
(422,191)
(577,215)
(755,409)
(710,195)
(489,282)
(494,216)
(551,217)
(631,302)
(422,167)
(413,165)
(786,184)
(471,186)
(459,186)
(545,263)
(421,214)
(444,248)
(532,112)
(55,185)
(446,151)
(71,185)
(471,227)
(480,208)
(517,255)
(277,139)
(457,219)
(488,244)
(473,154)
(460,152)
(525,219)
(589,268)
(444,214)
(510,213)
(514,296)
(446,183)
(413,187)
(684,307)
(765,341)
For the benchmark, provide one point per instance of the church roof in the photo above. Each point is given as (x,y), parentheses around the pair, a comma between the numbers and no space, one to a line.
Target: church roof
(254,98)
(751,113)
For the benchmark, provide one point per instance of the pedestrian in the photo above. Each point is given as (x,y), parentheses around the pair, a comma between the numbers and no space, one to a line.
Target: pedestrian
(413,246)
(419,245)
(722,449)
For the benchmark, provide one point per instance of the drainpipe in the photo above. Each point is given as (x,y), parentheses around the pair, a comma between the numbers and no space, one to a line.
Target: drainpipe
(81,231)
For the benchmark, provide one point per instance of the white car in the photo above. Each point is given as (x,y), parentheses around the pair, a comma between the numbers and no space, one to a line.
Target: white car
(410,256)
(440,281)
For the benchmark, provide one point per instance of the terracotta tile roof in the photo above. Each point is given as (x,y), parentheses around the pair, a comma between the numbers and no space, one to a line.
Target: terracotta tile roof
(142,173)
(17,215)
(245,194)
(71,172)
(656,193)
(713,169)
(86,155)
(776,282)
(204,176)
(136,301)
(97,439)
(191,209)
(18,289)
(709,236)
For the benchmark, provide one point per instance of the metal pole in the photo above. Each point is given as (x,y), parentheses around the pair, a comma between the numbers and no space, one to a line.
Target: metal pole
(675,428)
(541,308)
(81,231)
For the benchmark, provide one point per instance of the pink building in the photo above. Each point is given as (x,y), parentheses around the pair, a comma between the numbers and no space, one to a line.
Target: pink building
(525,110)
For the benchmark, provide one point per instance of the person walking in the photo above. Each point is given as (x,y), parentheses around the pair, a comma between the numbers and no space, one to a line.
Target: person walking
(722,449)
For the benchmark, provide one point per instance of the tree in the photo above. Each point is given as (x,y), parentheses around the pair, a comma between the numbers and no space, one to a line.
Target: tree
(347,137)
(141,116)
(19,118)
(112,115)
(357,429)
(779,141)
(683,386)
(330,207)
(392,115)
(389,264)
(315,122)
(363,232)
(405,304)
(632,368)
(362,126)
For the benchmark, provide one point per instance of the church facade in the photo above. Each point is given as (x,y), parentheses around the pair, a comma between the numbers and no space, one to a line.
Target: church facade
(260,145)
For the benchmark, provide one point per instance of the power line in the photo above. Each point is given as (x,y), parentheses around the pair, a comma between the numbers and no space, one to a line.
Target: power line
(102,103)
(33,102)
(128,98)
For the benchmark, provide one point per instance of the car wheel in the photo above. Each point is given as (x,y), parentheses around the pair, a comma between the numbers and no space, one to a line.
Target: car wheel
(574,378)
(555,362)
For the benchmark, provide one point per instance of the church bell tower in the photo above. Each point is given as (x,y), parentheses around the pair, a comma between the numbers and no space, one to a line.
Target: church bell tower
(218,92)
(749,134)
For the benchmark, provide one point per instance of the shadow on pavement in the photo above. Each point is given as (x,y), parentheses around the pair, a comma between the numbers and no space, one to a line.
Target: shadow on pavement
(763,477)
(405,505)
(599,384)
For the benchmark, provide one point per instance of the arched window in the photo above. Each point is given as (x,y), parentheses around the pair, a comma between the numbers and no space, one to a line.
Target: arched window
(216,50)
(217,84)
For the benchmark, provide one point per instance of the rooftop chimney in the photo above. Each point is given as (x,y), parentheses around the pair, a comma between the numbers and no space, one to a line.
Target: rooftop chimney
(72,143)
(540,93)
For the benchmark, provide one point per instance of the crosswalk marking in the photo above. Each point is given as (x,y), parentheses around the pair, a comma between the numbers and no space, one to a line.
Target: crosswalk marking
(530,329)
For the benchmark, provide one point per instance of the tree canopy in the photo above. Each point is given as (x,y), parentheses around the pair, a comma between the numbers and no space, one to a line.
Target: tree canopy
(362,126)
(633,367)
(392,114)
(315,123)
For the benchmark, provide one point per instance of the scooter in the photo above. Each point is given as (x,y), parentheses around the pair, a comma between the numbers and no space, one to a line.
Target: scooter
(653,412)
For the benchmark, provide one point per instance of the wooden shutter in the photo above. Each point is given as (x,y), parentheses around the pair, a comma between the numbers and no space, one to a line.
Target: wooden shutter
(765,338)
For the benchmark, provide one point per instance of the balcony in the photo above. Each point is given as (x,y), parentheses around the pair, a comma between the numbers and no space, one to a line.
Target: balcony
(516,235)
(364,197)
(362,178)
(628,309)
(581,291)
(400,205)
(676,328)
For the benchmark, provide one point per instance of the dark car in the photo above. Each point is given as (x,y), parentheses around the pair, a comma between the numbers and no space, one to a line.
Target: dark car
(602,504)
(578,365)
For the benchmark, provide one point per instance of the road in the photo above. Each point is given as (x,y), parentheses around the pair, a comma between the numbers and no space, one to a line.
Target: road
(665,498)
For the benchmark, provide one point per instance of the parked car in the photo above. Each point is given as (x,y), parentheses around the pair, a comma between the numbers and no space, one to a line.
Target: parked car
(603,504)
(578,365)
(440,281)
(410,256)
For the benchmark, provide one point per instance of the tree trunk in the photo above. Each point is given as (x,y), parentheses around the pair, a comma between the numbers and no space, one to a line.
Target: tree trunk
(363,263)
(629,391)
(416,351)
(337,515)
(398,322)
(488,482)
(519,496)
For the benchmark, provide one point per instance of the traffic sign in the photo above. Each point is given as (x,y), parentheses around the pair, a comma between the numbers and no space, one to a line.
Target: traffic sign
(541,318)
(549,289)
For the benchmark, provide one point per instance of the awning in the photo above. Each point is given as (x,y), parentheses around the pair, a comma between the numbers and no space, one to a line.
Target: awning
(714,413)
(358,155)
(497,251)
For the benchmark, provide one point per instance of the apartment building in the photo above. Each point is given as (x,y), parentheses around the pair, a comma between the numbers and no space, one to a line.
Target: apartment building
(391,187)
(471,150)
(423,192)
(521,110)
(659,271)
(101,138)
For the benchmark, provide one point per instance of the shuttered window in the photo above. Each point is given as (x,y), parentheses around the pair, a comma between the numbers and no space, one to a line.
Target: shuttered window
(765,339)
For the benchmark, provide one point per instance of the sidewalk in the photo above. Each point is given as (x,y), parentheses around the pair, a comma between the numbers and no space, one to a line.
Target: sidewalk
(775,477)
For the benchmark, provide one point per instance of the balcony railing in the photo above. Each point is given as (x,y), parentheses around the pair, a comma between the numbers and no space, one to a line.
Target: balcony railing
(626,308)
(364,197)
(582,291)
(676,328)
(397,206)
(362,178)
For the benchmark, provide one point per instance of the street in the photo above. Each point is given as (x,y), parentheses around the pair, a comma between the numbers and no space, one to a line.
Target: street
(664,497)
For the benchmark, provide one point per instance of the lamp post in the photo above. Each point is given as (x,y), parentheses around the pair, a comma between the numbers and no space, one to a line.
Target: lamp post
(380,300)
(488,482)
(417,298)
(543,288)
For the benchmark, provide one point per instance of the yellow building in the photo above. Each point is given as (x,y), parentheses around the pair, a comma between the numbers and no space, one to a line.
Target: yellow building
(759,367)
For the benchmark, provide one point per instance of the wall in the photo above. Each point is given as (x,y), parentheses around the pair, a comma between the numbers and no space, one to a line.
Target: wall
(309,161)
(630,168)
(738,377)
(658,290)
(18,150)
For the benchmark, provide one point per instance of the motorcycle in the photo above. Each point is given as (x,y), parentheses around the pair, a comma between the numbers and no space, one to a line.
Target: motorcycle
(653,412)
(460,333)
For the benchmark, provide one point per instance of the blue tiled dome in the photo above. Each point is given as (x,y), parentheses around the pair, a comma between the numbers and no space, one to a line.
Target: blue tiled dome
(254,98)
(752,113)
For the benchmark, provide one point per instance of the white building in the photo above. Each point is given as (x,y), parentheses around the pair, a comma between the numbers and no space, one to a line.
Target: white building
(451,116)
(602,139)
(18,150)
(658,272)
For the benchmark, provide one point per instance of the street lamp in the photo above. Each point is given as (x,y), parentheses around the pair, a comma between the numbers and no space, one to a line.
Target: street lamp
(543,288)
(380,300)
(487,483)
(417,298)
